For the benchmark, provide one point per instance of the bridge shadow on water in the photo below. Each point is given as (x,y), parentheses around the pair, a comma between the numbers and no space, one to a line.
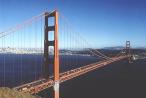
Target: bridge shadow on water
(117,80)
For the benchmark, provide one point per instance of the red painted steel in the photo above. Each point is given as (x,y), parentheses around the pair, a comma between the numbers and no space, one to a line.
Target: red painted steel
(56,58)
(53,43)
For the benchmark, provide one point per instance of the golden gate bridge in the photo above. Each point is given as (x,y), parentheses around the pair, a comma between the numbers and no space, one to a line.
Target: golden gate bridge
(50,42)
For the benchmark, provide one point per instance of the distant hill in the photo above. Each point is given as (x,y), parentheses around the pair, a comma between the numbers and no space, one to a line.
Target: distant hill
(114,48)
(142,48)
(121,47)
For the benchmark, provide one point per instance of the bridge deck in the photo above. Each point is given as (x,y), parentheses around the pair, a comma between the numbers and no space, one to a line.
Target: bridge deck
(42,84)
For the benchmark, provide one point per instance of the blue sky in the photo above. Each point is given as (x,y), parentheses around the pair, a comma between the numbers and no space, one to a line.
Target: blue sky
(102,22)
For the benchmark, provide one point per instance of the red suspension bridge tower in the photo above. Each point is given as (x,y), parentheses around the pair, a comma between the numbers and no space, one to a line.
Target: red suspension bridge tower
(128,51)
(54,43)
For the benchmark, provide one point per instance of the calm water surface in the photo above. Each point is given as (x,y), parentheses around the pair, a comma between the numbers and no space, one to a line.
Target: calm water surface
(117,80)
